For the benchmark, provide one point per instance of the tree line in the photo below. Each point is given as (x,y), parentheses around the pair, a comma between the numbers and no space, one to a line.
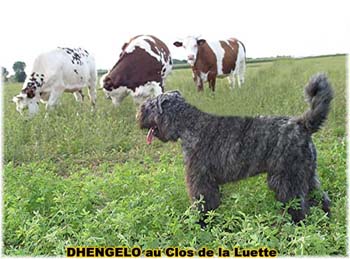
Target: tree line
(19,76)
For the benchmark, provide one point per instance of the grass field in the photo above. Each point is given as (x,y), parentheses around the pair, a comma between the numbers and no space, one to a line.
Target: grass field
(91,180)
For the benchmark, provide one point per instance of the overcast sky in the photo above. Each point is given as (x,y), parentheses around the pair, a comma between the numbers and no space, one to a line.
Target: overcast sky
(266,27)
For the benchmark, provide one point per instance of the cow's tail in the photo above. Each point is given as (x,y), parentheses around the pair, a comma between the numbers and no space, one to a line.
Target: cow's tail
(319,94)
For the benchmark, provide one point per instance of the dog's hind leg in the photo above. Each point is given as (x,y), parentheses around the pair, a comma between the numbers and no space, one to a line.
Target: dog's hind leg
(299,214)
(315,187)
(326,204)
(287,189)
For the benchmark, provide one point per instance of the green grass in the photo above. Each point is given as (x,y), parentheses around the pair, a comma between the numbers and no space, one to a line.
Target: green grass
(92,180)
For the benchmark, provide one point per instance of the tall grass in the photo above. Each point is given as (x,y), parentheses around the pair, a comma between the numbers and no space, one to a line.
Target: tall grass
(91,179)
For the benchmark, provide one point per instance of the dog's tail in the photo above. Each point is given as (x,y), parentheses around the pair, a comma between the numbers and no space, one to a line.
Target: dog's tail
(319,94)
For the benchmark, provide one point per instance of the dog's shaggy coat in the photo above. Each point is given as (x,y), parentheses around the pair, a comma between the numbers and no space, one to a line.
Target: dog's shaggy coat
(219,149)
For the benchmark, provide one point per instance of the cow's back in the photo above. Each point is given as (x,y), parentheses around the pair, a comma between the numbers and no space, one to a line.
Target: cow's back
(230,48)
(225,54)
(144,59)
(153,47)
(72,67)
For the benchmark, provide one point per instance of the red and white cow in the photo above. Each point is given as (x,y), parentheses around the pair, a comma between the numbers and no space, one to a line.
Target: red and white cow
(141,70)
(211,59)
(54,72)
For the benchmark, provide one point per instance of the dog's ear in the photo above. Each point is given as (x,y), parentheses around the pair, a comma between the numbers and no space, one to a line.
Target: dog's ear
(174,93)
(166,97)
(160,100)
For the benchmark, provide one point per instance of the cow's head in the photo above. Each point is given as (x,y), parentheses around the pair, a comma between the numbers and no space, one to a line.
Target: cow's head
(191,45)
(22,102)
(124,68)
(30,94)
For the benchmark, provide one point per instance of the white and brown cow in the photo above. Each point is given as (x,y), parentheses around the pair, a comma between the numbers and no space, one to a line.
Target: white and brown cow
(212,59)
(141,70)
(54,72)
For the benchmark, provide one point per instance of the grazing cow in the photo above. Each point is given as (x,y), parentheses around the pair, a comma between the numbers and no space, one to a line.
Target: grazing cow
(214,59)
(60,70)
(141,70)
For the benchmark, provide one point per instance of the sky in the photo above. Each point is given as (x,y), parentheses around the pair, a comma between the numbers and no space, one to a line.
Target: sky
(266,27)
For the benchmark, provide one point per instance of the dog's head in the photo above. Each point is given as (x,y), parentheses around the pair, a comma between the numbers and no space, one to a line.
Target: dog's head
(159,116)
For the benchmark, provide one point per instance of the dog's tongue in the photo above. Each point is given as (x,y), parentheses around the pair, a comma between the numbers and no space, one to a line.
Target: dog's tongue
(150,136)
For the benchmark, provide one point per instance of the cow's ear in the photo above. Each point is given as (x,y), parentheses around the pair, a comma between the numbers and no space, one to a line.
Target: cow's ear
(178,44)
(200,42)
(17,98)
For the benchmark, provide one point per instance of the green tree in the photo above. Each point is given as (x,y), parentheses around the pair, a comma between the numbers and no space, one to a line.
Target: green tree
(4,73)
(20,74)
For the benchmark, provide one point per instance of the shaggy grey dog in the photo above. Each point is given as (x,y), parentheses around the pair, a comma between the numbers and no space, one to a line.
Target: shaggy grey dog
(220,149)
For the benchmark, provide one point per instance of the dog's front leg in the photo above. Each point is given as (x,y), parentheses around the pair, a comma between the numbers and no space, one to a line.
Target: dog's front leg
(200,186)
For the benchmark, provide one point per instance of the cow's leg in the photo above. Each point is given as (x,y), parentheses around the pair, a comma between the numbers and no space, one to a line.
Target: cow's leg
(118,95)
(232,80)
(212,81)
(199,83)
(54,98)
(241,75)
(238,80)
(117,100)
(92,94)
(194,77)
(44,97)
(241,72)
(79,97)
